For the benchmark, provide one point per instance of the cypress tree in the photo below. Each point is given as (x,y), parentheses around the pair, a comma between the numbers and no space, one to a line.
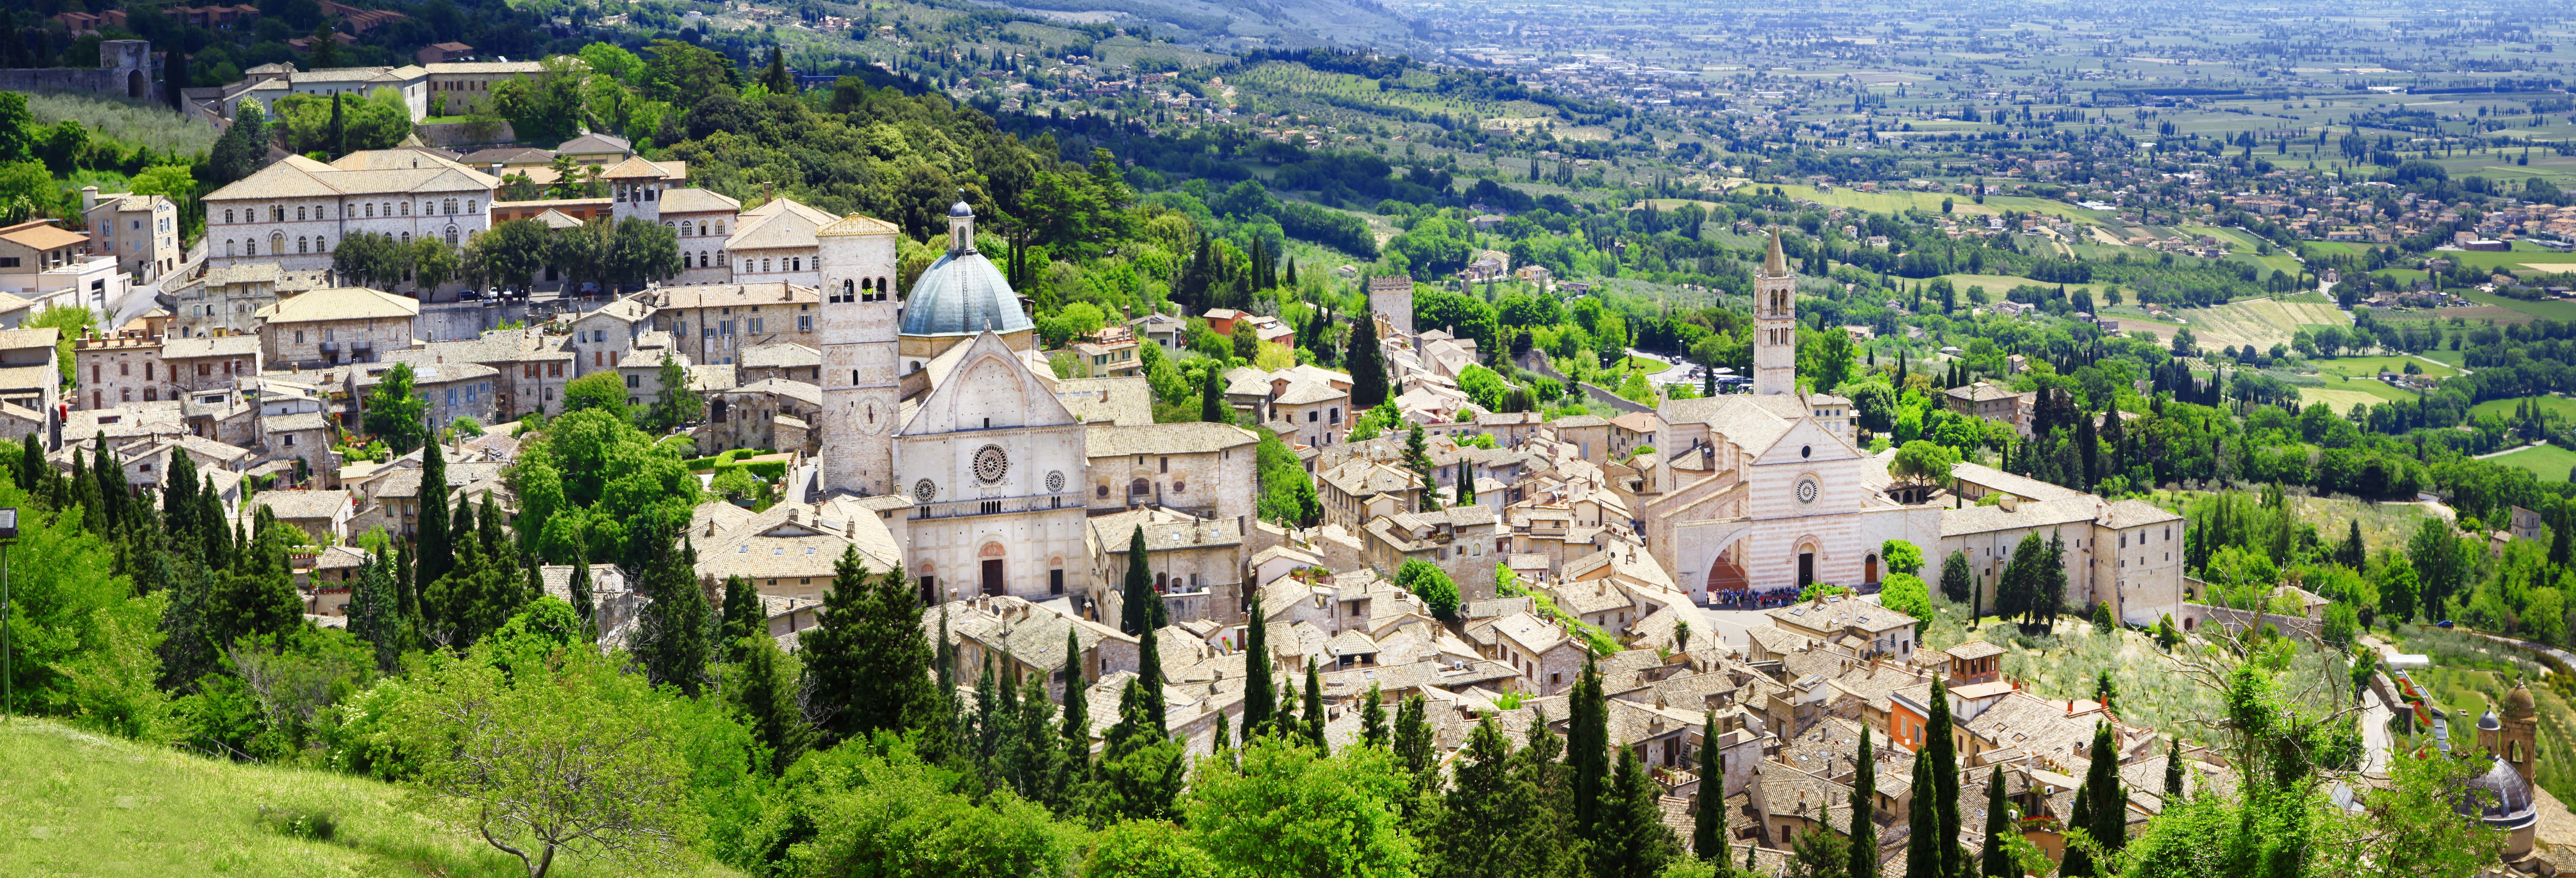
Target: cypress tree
(436,554)
(1149,659)
(672,633)
(1994,860)
(2110,803)
(1367,365)
(1922,847)
(1708,823)
(1141,610)
(339,129)
(1864,825)
(2088,444)
(1076,727)
(1372,718)
(742,615)
(1587,749)
(1315,710)
(1944,753)
(375,611)
(2077,863)
(1256,672)
(406,591)
(1415,749)
(1212,405)
(766,695)
(2173,771)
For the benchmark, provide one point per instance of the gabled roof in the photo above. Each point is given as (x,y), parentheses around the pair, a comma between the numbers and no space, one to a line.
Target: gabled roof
(695,200)
(341,303)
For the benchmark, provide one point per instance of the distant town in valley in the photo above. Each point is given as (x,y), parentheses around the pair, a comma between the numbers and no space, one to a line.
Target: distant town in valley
(1379,438)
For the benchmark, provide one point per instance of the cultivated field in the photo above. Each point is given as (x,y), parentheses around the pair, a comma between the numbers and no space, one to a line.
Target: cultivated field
(2365,367)
(2503,408)
(2340,399)
(132,122)
(2554,310)
(2261,323)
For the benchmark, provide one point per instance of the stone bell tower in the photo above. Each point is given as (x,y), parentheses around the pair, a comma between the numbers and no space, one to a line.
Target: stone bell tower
(856,258)
(1775,323)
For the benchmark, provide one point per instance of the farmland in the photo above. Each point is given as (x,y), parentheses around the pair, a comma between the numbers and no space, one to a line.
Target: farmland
(2550,462)
(2365,367)
(2261,322)
(2503,408)
(2554,310)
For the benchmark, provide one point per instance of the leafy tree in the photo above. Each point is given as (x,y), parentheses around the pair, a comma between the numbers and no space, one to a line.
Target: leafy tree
(375,612)
(1291,810)
(1373,732)
(643,252)
(678,404)
(433,263)
(396,412)
(509,254)
(1820,855)
(1905,593)
(1923,461)
(568,757)
(1901,556)
(1141,772)
(597,390)
(1428,582)
(1416,749)
(1146,849)
(242,149)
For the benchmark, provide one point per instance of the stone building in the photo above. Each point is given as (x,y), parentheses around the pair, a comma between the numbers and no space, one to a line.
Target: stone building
(295,211)
(717,324)
(328,327)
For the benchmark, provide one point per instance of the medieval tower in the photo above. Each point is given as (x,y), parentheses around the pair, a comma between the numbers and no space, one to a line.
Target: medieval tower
(856,256)
(1775,324)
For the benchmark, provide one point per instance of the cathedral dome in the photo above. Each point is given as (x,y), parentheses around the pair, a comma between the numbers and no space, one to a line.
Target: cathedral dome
(963,294)
(2506,800)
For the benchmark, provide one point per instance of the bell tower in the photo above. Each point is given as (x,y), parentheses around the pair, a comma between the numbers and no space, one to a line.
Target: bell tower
(1775,323)
(857,329)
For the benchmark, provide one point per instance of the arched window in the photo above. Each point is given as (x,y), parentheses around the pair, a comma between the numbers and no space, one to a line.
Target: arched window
(451,236)
(228,216)
(702,227)
(847,290)
(389,208)
(299,213)
(300,245)
(798,264)
(406,237)
(319,246)
(370,209)
(684,229)
(719,227)
(1139,488)
(720,259)
(406,208)
(469,206)
(277,213)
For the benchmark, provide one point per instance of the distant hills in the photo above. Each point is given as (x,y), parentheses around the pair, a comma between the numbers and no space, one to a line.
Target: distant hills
(1348,23)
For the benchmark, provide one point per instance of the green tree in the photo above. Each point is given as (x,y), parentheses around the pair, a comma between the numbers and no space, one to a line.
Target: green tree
(375,612)
(242,149)
(1923,849)
(1146,849)
(1315,710)
(867,660)
(1291,810)
(1428,582)
(763,688)
(1634,842)
(1942,750)
(1367,365)
(672,630)
(741,616)
(1213,407)
(1708,822)
(678,403)
(1141,771)
(597,390)
(396,412)
(1587,749)
(1256,671)
(1994,860)
(569,757)
(1494,821)
(1901,556)
(1416,749)
(1864,827)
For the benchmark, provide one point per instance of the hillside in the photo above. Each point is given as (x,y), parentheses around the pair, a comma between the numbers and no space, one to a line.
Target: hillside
(87,805)
(1348,23)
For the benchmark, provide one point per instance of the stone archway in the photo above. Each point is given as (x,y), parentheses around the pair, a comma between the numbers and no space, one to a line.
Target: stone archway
(136,86)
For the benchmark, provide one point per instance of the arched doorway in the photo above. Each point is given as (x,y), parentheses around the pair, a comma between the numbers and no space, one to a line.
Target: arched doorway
(1869,568)
(993,567)
(1728,579)
(136,86)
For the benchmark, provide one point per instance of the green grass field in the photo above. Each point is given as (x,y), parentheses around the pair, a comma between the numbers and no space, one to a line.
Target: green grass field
(1890,202)
(2447,357)
(2503,408)
(1998,284)
(2341,396)
(2514,260)
(79,804)
(2550,462)
(2365,367)
(2554,310)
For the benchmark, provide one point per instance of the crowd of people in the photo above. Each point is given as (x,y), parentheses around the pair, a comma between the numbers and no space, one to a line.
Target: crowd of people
(1751,599)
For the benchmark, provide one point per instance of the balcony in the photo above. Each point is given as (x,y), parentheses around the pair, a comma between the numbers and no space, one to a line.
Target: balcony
(997,505)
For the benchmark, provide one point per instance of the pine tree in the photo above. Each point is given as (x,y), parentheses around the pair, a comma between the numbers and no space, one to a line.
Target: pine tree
(1587,749)
(1315,710)
(775,78)
(671,633)
(867,660)
(1417,459)
(2077,863)
(1864,826)
(742,616)
(1256,672)
(1994,860)
(1373,718)
(406,590)
(1633,842)
(1708,821)
(1923,848)
(1367,365)
(1029,757)
(2088,445)
(2351,553)
(1141,771)
(1149,673)
(339,129)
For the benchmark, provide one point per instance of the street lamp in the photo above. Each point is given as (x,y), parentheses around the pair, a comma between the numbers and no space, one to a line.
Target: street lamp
(8,534)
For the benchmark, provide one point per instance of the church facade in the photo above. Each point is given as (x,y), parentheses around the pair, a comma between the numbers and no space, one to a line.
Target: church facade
(939,397)
(1770,489)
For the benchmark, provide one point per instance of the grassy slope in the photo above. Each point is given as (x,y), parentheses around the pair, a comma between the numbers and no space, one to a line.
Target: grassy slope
(2554,310)
(80,804)
(2503,408)
(2551,463)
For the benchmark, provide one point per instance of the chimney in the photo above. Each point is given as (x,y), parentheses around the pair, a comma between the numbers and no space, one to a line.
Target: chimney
(496,169)
(2008,502)
(89,198)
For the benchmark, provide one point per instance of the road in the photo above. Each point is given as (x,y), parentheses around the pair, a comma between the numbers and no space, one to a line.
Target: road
(142,298)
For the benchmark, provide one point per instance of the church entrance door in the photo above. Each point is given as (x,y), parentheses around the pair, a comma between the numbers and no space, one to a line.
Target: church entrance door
(1806,569)
(1870,573)
(992,576)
